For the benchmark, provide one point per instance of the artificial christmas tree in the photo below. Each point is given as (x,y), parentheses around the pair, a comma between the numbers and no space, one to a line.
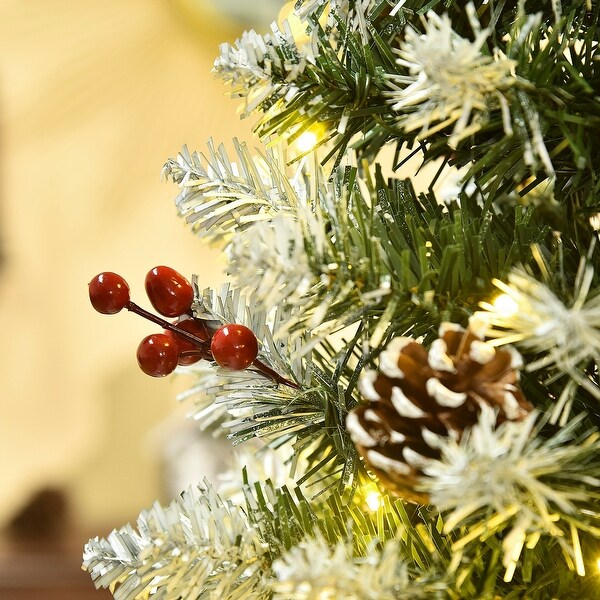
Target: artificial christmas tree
(426,363)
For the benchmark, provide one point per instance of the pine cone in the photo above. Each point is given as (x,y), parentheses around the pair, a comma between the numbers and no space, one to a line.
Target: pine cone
(417,392)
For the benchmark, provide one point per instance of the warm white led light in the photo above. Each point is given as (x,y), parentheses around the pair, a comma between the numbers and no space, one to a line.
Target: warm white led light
(373,500)
(306,141)
(505,305)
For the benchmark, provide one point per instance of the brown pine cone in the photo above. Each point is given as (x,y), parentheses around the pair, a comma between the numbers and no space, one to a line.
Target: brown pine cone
(417,392)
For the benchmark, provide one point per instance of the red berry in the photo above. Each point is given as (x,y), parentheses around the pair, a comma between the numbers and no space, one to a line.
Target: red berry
(234,346)
(157,355)
(109,293)
(197,328)
(169,292)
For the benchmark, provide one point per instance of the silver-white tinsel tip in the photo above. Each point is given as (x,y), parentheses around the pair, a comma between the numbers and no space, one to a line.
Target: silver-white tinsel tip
(255,462)
(314,570)
(354,13)
(197,543)
(507,478)
(220,196)
(449,81)
(257,65)
(566,336)
(269,260)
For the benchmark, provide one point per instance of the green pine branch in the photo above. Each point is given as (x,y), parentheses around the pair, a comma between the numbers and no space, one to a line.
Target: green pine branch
(199,546)
(343,95)
(220,196)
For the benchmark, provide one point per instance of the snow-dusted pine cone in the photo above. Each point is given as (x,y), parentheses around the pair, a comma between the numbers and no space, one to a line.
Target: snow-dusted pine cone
(419,392)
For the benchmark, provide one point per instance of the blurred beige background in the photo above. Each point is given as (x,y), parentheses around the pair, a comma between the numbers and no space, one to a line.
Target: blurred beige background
(94,96)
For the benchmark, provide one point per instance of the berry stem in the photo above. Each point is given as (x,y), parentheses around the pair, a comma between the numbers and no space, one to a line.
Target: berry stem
(204,346)
(138,310)
(274,375)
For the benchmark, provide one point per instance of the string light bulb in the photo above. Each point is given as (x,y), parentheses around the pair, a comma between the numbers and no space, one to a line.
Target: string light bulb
(505,305)
(373,497)
(374,501)
(306,141)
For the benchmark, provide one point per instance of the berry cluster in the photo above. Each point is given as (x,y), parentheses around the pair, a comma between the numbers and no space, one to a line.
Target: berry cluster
(187,339)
